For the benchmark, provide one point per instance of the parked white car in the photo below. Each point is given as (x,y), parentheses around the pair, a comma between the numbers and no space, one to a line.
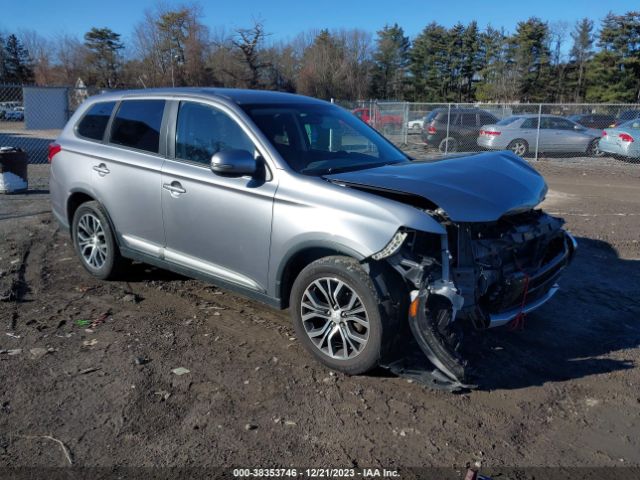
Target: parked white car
(415,126)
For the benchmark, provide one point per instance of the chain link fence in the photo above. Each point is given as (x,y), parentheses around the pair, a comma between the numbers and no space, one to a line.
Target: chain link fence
(532,131)
(32,117)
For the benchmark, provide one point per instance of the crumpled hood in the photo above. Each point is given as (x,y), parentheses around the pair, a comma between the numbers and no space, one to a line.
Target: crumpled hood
(471,188)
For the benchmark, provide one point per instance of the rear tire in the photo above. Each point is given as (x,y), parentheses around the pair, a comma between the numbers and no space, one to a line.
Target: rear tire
(94,242)
(448,145)
(336,313)
(519,146)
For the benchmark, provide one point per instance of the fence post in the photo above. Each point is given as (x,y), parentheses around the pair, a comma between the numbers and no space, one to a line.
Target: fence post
(405,124)
(538,130)
(446,140)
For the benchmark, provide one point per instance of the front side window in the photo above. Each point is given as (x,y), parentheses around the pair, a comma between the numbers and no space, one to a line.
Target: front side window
(202,131)
(94,122)
(137,125)
(319,139)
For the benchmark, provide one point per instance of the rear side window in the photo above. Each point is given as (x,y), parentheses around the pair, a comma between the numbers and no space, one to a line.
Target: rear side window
(507,121)
(137,124)
(486,119)
(94,122)
(530,123)
(468,120)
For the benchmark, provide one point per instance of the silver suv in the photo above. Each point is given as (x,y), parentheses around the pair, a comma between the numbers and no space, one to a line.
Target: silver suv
(297,203)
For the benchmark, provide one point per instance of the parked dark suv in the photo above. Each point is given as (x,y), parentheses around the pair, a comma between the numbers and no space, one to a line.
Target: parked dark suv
(593,120)
(463,130)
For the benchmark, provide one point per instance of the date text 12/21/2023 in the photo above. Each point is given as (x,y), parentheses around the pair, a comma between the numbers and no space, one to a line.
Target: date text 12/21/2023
(316,472)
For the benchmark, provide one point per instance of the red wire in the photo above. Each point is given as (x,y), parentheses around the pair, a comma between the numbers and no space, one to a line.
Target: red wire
(518,322)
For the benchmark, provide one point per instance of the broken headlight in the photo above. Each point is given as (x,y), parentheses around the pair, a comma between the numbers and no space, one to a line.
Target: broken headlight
(392,247)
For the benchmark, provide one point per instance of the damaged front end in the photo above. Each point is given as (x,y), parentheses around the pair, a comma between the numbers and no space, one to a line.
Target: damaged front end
(479,275)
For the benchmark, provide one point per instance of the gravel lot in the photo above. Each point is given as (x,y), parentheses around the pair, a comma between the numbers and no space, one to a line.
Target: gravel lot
(90,363)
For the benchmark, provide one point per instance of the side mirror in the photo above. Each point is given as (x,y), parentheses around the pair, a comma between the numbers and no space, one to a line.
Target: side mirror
(234,163)
(579,128)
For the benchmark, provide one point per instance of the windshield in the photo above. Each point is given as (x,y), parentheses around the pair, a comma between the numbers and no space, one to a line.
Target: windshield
(321,139)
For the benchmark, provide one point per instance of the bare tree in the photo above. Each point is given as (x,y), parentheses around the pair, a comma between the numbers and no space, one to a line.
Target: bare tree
(42,53)
(171,47)
(248,43)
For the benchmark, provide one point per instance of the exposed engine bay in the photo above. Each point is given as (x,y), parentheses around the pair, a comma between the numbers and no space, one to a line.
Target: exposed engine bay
(478,275)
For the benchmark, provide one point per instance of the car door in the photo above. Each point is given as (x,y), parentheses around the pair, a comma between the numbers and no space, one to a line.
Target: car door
(126,174)
(548,142)
(468,128)
(528,131)
(217,225)
(568,138)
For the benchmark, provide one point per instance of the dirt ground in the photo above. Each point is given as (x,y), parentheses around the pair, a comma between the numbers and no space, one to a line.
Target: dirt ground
(89,363)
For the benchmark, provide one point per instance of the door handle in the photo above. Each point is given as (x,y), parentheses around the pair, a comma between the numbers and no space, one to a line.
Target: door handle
(101,169)
(175,188)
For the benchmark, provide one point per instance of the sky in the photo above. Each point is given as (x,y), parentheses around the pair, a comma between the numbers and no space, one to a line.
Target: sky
(283,19)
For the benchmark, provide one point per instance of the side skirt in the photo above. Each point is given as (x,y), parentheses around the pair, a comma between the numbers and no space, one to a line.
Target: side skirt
(191,273)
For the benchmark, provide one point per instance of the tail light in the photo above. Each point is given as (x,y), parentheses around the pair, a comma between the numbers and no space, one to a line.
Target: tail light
(54,148)
(490,133)
(625,137)
(604,133)
(431,130)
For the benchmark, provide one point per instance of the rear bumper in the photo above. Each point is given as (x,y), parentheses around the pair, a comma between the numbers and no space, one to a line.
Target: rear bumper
(627,149)
(491,143)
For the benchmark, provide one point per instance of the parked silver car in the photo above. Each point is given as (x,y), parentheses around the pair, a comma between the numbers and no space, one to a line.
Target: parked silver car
(298,203)
(623,140)
(519,133)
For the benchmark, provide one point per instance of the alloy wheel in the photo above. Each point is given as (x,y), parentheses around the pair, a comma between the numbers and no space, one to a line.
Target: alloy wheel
(334,318)
(92,241)
(519,148)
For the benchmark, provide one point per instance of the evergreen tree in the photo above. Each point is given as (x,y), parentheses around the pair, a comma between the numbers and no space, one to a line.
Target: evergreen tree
(17,63)
(531,57)
(390,62)
(471,61)
(496,75)
(429,64)
(104,47)
(581,54)
(614,73)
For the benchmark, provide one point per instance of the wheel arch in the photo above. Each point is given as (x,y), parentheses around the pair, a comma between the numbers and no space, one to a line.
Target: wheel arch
(79,197)
(297,259)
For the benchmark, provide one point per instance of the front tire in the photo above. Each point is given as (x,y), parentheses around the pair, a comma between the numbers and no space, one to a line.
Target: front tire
(94,242)
(336,313)
(594,149)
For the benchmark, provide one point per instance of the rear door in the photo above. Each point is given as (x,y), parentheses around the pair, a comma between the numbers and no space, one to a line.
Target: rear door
(218,225)
(468,128)
(126,177)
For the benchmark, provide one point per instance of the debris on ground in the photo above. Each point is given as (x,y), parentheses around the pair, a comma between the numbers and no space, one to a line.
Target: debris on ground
(141,360)
(163,394)
(132,298)
(88,370)
(39,352)
(181,371)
